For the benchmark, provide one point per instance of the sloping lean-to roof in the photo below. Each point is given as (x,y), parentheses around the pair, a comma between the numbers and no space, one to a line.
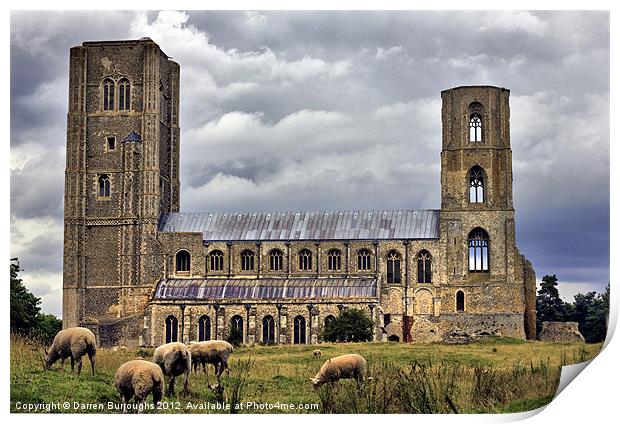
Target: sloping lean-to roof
(218,289)
(329,225)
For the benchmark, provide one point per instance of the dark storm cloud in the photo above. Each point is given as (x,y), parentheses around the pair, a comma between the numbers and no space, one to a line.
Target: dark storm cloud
(337,110)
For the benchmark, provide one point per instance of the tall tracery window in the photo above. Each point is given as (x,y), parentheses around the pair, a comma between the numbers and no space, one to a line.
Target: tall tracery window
(269,334)
(425,274)
(478,253)
(363,260)
(334,260)
(182,261)
(247,260)
(216,260)
(108,94)
(172,329)
(124,94)
(275,260)
(299,330)
(328,320)
(104,185)
(475,127)
(204,328)
(476,112)
(460,301)
(476,185)
(393,267)
(236,326)
(305,260)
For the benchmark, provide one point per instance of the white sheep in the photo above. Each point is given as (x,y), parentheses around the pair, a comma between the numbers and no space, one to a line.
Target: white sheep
(139,378)
(341,367)
(317,353)
(214,352)
(119,348)
(174,359)
(72,343)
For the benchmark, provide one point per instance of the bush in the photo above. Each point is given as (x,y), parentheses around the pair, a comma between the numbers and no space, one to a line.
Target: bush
(235,336)
(353,325)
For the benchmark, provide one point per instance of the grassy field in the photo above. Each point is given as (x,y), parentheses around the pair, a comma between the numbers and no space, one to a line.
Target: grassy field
(496,375)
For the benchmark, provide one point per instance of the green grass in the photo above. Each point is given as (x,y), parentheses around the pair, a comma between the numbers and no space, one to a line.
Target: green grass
(494,375)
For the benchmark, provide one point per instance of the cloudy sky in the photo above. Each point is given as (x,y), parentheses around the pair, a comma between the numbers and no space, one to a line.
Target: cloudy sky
(335,110)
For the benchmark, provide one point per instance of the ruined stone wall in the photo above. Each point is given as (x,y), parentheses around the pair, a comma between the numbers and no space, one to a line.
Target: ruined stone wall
(429,329)
(529,282)
(566,332)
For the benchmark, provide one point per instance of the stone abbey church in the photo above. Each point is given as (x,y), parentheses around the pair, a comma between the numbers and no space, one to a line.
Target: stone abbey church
(139,272)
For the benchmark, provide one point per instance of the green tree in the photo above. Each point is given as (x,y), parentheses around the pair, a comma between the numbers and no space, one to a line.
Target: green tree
(26,316)
(353,325)
(591,311)
(549,306)
(47,327)
(24,305)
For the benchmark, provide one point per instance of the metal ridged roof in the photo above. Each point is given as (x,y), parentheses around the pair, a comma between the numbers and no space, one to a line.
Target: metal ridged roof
(328,225)
(266,288)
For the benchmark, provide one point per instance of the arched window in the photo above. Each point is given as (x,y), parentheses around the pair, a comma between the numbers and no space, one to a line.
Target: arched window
(460,301)
(104,185)
(108,94)
(305,260)
(269,335)
(478,250)
(363,260)
(328,320)
(204,328)
(182,261)
(124,94)
(236,328)
(393,268)
(172,329)
(334,260)
(476,112)
(247,260)
(275,260)
(425,274)
(476,185)
(299,330)
(216,260)
(475,127)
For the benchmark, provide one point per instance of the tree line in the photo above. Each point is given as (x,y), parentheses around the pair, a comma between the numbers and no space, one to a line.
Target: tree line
(26,316)
(590,310)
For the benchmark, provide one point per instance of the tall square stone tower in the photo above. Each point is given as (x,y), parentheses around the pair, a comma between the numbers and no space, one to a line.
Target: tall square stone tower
(122,171)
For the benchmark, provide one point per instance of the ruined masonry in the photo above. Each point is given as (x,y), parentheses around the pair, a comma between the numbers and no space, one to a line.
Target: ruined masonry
(139,272)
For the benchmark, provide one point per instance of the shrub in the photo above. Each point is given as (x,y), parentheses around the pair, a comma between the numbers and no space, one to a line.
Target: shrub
(353,325)
(235,336)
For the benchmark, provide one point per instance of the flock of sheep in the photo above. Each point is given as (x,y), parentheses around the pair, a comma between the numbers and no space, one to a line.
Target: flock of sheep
(138,378)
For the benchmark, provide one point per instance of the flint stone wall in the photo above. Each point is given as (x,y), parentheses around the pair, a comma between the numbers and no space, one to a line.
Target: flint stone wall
(560,332)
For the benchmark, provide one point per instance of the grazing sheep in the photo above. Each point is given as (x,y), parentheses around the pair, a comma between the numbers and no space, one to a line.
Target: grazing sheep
(344,366)
(72,343)
(137,379)
(214,352)
(174,359)
(317,353)
(119,348)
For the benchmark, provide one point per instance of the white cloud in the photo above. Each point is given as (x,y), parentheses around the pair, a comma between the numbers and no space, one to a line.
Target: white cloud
(385,54)
(511,21)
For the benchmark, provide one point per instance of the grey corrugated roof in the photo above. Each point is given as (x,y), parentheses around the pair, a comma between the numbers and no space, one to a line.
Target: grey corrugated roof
(327,225)
(266,288)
